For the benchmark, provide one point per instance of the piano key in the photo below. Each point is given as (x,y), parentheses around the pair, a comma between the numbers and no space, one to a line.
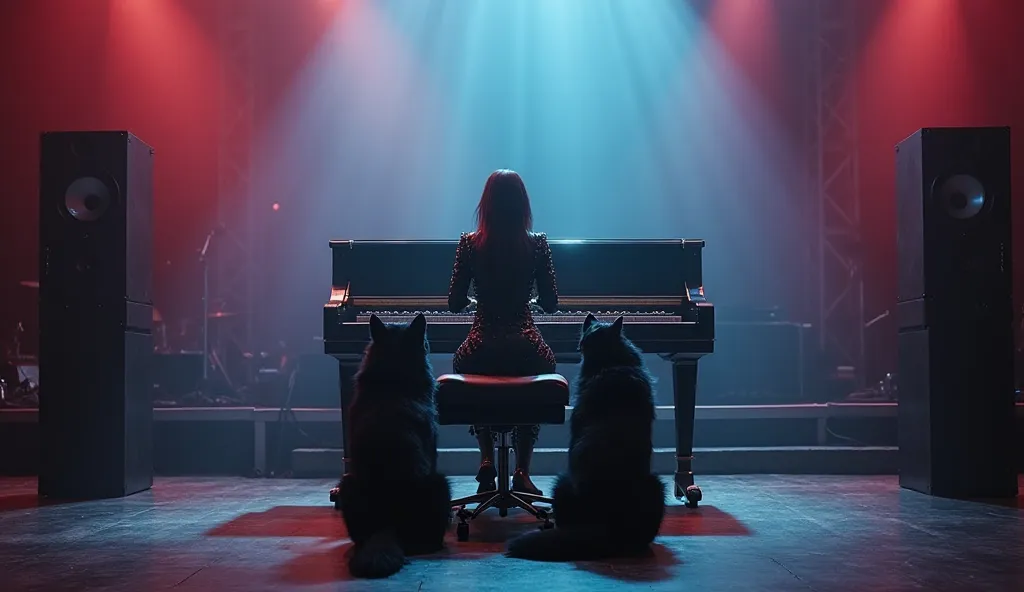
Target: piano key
(567,318)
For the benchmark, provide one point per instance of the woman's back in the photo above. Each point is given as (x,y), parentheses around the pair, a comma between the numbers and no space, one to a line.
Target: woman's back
(504,341)
(503,273)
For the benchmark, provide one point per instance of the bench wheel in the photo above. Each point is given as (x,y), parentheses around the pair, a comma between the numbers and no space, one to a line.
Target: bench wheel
(693,496)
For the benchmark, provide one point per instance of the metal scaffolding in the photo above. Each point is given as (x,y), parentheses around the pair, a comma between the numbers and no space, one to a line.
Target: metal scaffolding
(836,182)
(233,277)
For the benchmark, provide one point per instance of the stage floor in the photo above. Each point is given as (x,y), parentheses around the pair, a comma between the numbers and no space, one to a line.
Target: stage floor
(753,533)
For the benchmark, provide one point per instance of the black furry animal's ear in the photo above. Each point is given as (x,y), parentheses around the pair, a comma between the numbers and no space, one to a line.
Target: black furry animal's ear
(418,326)
(587,322)
(377,328)
(617,326)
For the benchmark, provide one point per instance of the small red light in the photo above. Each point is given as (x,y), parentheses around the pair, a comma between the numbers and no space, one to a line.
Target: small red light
(276,207)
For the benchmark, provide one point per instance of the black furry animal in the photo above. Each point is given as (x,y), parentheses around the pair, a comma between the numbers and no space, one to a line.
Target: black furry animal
(608,503)
(393,500)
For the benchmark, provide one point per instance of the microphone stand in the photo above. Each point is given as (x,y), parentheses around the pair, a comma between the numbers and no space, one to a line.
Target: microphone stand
(11,358)
(204,260)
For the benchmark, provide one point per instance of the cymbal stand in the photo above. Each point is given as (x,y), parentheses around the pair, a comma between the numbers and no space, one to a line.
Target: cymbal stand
(17,340)
(217,363)
(204,260)
(228,341)
(210,354)
(12,354)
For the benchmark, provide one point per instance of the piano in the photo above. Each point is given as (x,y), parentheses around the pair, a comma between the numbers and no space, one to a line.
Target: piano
(656,285)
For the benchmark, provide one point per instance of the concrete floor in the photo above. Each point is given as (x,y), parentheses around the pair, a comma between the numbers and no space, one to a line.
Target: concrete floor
(753,533)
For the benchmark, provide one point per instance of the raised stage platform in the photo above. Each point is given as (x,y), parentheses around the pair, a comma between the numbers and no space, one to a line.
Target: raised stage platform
(829,438)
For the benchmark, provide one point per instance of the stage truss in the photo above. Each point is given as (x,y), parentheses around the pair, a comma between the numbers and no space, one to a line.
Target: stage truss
(233,274)
(836,185)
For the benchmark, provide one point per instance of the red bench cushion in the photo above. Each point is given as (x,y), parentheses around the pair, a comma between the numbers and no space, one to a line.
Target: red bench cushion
(502,400)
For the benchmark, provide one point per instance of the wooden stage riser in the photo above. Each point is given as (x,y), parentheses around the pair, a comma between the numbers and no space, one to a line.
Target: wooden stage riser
(703,412)
(777,425)
(803,417)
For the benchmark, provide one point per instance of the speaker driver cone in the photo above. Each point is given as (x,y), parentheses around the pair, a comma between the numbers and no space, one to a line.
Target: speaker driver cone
(87,199)
(961,197)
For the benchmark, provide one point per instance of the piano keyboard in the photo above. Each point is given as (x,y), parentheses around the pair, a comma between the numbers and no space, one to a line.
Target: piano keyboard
(567,317)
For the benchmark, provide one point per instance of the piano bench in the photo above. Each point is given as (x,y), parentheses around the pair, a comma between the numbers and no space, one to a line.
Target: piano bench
(500,403)
(473,399)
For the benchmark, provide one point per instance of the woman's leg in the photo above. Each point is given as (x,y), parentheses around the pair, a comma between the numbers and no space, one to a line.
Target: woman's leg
(467,360)
(525,440)
(487,474)
(485,441)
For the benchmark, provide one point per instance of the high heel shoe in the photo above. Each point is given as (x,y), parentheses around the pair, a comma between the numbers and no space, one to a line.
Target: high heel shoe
(486,477)
(521,482)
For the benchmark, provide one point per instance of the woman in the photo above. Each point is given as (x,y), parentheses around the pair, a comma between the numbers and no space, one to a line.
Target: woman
(504,260)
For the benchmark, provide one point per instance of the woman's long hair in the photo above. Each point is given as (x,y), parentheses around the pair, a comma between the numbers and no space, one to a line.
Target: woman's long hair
(503,215)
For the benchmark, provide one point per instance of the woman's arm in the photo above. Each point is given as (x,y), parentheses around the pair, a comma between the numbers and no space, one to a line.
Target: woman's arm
(458,289)
(544,272)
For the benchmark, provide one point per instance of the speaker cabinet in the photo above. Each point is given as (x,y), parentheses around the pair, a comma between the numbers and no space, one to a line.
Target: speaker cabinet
(955,313)
(95,315)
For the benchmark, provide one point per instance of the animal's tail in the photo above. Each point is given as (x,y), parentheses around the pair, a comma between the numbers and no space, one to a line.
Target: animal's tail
(379,557)
(573,543)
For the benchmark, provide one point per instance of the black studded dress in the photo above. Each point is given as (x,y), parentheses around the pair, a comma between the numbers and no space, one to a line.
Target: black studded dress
(504,341)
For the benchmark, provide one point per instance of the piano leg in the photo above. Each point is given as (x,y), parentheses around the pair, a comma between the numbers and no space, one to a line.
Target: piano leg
(346,381)
(346,384)
(684,387)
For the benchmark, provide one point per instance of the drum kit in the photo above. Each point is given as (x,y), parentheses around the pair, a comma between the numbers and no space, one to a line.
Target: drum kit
(225,371)
(210,339)
(186,335)
(19,373)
